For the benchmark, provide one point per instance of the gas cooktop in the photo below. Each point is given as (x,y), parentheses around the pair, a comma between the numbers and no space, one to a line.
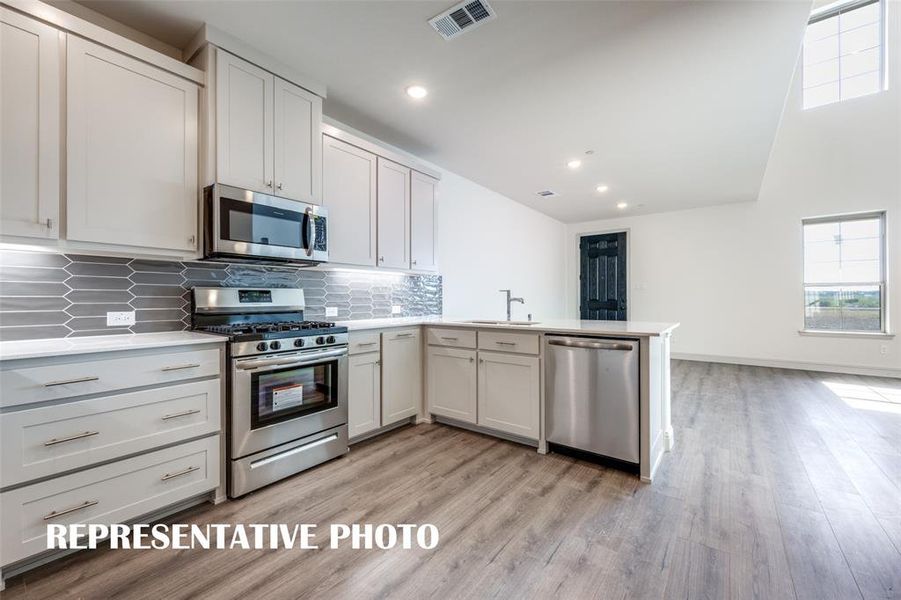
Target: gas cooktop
(243,332)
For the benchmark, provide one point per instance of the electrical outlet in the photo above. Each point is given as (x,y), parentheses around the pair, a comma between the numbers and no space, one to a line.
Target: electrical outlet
(883,349)
(331,311)
(395,310)
(119,319)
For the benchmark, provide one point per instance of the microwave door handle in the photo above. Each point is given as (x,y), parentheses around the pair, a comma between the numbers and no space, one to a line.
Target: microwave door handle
(311,231)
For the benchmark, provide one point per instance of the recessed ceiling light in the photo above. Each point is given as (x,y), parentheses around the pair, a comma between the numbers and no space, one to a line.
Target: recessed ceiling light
(621,205)
(602,188)
(574,164)
(417,91)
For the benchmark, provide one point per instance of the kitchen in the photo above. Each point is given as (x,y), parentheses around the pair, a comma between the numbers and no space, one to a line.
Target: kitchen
(238,285)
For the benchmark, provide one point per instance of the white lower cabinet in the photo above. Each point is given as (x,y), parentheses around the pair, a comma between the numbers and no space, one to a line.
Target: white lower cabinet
(509,392)
(452,383)
(401,375)
(112,493)
(364,395)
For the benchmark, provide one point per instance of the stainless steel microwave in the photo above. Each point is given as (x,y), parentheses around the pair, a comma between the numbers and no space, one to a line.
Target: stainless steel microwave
(242,225)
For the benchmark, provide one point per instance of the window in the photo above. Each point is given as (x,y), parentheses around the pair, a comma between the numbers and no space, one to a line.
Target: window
(844,52)
(844,273)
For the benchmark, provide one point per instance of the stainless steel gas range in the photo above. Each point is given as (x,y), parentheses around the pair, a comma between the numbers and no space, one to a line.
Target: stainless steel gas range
(287,383)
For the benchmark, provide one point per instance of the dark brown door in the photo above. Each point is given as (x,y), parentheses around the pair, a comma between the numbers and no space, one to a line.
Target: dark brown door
(602,277)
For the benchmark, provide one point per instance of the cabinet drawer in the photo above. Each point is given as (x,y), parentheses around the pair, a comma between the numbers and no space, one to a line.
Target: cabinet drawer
(113,493)
(363,341)
(40,442)
(103,373)
(522,343)
(401,334)
(458,338)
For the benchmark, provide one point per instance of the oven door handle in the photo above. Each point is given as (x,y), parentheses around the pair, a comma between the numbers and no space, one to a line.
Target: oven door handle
(252,365)
(310,231)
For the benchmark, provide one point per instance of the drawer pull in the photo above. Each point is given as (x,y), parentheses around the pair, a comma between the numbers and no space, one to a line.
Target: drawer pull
(77,436)
(180,367)
(451,339)
(68,381)
(169,476)
(66,511)
(505,343)
(184,413)
(366,343)
(404,335)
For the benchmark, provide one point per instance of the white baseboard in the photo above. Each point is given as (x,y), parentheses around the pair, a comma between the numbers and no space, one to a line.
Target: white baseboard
(791,364)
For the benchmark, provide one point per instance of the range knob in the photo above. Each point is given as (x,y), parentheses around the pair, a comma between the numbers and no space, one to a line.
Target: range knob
(298,343)
(262,346)
(275,345)
(330,339)
(320,340)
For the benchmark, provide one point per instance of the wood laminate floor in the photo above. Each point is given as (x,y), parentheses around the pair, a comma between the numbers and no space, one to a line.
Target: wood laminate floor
(783,484)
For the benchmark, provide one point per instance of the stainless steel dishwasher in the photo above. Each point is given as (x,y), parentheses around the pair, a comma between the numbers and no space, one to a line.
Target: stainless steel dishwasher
(592,396)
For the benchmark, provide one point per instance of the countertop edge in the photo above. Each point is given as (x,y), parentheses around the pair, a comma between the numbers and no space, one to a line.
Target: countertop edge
(367,325)
(46,348)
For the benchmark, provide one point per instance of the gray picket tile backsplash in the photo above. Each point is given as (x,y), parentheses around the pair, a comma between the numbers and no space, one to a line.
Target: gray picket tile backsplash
(47,295)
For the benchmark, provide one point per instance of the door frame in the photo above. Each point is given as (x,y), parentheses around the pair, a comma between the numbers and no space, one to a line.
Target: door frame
(577,284)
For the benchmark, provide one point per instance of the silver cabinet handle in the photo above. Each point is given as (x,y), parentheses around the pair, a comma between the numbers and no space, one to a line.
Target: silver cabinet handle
(49,223)
(471,359)
(269,183)
(59,513)
(181,367)
(169,476)
(77,436)
(450,339)
(381,259)
(366,343)
(281,185)
(183,413)
(68,381)
(404,335)
(413,261)
(378,363)
(505,343)
(592,345)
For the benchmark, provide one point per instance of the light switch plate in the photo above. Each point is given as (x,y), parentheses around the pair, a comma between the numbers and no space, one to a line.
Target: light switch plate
(395,310)
(331,311)
(118,319)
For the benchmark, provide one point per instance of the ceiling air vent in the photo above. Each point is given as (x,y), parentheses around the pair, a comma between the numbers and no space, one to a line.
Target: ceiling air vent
(463,17)
(547,193)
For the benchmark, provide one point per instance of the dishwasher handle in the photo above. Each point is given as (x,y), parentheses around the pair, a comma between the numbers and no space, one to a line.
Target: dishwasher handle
(591,345)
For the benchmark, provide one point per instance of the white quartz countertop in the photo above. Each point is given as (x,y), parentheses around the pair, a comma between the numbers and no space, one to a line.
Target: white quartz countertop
(562,326)
(14,350)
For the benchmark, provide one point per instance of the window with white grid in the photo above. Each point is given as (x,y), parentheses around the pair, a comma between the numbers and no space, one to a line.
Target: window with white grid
(844,52)
(844,273)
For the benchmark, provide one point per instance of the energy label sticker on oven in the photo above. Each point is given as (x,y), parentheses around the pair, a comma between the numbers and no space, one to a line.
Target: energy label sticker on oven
(287,396)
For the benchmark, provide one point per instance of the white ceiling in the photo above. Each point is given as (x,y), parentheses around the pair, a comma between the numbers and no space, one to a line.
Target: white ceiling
(679,100)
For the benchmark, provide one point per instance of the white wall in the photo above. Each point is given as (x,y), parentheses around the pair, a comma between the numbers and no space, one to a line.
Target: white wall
(488,242)
(732,274)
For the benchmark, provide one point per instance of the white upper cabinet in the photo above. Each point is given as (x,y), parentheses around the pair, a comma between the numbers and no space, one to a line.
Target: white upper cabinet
(401,374)
(132,135)
(393,215)
(30,103)
(423,211)
(244,124)
(298,114)
(267,132)
(349,194)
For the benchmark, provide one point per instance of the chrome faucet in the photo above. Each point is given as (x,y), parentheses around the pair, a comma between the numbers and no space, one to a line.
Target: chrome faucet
(511,301)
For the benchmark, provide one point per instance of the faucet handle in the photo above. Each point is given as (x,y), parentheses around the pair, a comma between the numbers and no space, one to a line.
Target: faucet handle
(503,290)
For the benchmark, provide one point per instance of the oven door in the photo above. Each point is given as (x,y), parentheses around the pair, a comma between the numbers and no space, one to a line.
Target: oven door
(253,225)
(283,397)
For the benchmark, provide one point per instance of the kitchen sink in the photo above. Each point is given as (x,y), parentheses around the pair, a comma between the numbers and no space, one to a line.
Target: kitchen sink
(489,322)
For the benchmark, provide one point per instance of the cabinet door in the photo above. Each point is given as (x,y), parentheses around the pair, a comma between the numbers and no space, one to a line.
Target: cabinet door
(244,124)
(349,194)
(394,215)
(509,393)
(132,151)
(423,212)
(452,383)
(298,150)
(30,106)
(363,393)
(401,375)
